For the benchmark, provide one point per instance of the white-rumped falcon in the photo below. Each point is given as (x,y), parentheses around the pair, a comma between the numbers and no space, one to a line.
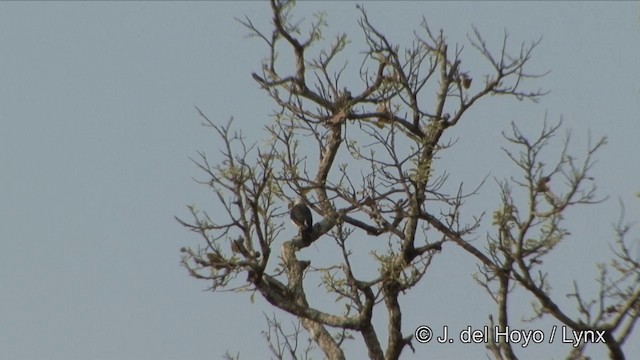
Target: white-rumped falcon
(301,215)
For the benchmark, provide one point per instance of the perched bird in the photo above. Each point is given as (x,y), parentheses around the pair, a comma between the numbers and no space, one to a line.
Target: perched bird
(465,80)
(301,215)
(542,184)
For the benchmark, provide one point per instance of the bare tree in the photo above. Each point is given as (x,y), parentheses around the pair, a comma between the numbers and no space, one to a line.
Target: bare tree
(365,162)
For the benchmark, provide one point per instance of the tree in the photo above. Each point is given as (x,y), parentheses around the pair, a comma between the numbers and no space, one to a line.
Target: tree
(365,162)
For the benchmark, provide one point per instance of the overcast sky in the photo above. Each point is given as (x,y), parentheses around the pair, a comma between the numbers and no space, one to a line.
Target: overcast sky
(97,124)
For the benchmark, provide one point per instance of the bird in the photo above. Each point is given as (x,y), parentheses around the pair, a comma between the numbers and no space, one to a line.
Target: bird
(301,215)
(543,184)
(465,80)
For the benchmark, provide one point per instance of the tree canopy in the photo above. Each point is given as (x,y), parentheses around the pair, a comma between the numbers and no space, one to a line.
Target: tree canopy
(361,144)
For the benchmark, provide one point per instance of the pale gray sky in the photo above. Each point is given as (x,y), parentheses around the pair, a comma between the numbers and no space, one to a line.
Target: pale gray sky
(97,122)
